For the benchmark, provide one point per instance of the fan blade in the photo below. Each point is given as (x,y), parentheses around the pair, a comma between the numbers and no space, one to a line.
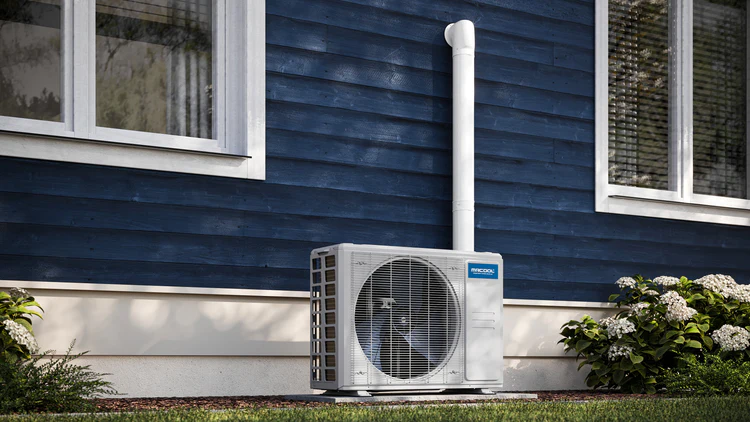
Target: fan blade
(420,340)
(368,334)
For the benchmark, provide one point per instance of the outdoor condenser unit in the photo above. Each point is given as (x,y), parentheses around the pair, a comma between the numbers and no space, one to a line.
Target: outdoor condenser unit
(398,318)
(395,318)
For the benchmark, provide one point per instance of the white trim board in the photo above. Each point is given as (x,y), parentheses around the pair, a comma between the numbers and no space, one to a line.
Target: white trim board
(679,203)
(123,155)
(205,291)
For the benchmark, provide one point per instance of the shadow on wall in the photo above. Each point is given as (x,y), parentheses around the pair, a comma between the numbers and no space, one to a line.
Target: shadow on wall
(138,324)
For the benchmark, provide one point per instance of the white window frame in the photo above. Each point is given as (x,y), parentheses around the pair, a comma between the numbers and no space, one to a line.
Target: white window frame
(238,147)
(679,203)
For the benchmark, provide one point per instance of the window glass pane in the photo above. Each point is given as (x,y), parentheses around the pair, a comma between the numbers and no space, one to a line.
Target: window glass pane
(30,79)
(720,97)
(639,93)
(154,66)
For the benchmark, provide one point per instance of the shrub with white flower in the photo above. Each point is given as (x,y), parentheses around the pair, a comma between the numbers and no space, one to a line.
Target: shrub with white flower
(18,293)
(717,283)
(619,327)
(677,309)
(667,281)
(740,293)
(616,352)
(21,335)
(731,338)
(639,308)
(17,307)
(604,322)
(661,322)
(626,282)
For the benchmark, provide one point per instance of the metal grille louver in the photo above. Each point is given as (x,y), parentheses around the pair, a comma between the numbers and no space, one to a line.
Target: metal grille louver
(406,317)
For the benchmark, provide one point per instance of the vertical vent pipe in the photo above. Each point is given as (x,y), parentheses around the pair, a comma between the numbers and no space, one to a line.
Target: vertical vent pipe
(460,36)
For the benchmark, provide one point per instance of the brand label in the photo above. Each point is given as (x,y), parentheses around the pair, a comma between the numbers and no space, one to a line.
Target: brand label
(483,270)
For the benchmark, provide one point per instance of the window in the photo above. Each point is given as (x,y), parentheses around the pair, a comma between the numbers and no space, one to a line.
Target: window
(176,85)
(671,109)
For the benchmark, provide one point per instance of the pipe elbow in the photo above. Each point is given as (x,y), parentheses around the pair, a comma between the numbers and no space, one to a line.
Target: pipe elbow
(460,36)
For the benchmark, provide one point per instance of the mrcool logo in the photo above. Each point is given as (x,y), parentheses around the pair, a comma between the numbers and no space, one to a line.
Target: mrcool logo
(483,270)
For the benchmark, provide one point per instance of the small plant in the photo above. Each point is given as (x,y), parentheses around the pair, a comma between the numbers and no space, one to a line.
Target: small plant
(710,376)
(17,340)
(664,322)
(49,384)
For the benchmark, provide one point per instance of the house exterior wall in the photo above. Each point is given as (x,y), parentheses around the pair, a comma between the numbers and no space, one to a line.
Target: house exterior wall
(358,150)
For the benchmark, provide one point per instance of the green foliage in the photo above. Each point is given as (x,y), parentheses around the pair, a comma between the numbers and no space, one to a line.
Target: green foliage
(710,376)
(49,384)
(17,306)
(636,360)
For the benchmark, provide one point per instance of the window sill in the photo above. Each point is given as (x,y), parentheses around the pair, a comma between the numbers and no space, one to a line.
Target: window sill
(661,204)
(129,156)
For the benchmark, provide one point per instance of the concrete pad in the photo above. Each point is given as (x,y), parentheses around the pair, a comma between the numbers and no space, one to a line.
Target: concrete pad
(399,397)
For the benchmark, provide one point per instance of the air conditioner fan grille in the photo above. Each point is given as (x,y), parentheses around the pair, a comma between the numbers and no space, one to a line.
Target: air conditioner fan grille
(407,318)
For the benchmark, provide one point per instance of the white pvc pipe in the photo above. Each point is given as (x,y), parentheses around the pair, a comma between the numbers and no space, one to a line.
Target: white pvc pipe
(460,36)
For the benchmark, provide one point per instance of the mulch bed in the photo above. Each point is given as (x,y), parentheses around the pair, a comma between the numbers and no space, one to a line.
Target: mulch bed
(256,402)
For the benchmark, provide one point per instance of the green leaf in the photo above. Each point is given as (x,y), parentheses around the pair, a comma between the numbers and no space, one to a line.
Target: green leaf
(663,349)
(613,296)
(25,323)
(694,344)
(692,330)
(582,345)
(672,333)
(618,376)
(708,342)
(703,327)
(635,358)
(592,380)
(679,340)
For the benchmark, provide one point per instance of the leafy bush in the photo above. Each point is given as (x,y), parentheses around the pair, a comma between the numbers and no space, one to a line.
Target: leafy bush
(711,376)
(16,333)
(663,323)
(49,384)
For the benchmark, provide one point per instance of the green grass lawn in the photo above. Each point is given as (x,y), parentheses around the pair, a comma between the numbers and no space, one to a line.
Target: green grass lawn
(658,409)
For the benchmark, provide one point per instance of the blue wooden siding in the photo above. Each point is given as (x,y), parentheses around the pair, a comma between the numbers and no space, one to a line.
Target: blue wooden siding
(358,139)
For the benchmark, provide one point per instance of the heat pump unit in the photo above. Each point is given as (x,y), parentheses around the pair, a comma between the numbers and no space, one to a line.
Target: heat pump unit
(397,318)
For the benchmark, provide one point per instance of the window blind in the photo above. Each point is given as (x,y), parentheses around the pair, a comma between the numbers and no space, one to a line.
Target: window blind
(639,93)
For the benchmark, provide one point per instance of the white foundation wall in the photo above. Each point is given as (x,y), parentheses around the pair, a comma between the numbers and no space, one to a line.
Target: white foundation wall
(172,341)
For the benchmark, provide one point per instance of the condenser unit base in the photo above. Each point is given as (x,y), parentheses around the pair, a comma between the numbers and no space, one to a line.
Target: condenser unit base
(407,397)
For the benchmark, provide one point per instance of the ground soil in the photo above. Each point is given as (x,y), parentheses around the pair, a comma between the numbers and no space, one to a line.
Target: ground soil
(249,402)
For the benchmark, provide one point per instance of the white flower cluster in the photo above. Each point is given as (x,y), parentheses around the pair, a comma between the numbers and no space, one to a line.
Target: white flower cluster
(616,352)
(21,335)
(677,309)
(741,292)
(667,281)
(624,282)
(717,283)
(726,286)
(732,338)
(604,322)
(18,293)
(619,327)
(639,308)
